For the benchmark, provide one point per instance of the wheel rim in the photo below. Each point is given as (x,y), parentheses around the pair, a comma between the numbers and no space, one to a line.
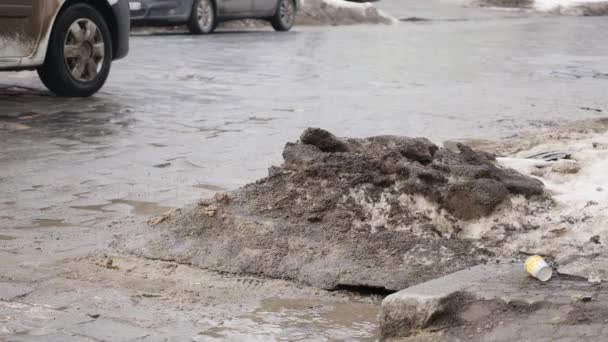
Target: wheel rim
(204,14)
(287,12)
(84,50)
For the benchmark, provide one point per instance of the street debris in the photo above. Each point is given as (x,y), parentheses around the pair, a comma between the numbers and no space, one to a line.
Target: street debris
(538,268)
(550,156)
(160,218)
(110,264)
(597,110)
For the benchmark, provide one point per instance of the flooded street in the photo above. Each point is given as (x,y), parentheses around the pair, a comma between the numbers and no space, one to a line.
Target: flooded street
(184,117)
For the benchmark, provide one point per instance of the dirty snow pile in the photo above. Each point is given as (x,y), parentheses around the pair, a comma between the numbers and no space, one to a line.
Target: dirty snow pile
(326,12)
(340,12)
(575,232)
(573,7)
(381,212)
(566,7)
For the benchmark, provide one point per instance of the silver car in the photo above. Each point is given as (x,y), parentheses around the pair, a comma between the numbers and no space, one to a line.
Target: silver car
(202,16)
(70,42)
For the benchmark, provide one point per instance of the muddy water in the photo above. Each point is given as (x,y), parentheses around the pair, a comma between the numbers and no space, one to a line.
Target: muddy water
(301,316)
(288,319)
(134,207)
(184,117)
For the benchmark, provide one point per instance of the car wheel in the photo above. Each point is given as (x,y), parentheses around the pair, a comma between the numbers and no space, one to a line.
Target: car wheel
(285,17)
(203,19)
(79,53)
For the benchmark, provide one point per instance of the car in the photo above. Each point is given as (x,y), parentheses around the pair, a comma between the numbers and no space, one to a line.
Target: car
(71,43)
(202,16)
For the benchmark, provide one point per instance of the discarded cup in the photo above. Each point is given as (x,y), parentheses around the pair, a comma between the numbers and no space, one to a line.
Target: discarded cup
(538,268)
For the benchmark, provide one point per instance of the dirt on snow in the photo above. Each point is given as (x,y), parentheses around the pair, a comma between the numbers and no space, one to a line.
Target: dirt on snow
(380,212)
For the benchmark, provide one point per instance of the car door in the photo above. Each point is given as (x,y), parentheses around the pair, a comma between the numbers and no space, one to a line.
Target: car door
(19,27)
(265,7)
(235,8)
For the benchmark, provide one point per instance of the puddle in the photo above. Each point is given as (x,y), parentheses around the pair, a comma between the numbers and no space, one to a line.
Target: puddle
(6,237)
(452,144)
(95,207)
(260,119)
(210,187)
(279,319)
(304,319)
(143,208)
(157,145)
(140,208)
(47,223)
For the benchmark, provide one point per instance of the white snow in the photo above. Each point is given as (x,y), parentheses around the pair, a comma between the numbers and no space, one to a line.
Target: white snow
(571,189)
(348,4)
(340,12)
(568,7)
(548,5)
(581,212)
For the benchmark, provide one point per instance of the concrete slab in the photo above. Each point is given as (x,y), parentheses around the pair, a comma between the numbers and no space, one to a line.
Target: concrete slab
(491,301)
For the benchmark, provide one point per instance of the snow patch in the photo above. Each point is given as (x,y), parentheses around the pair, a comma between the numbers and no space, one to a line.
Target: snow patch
(340,12)
(566,7)
(548,5)
(576,230)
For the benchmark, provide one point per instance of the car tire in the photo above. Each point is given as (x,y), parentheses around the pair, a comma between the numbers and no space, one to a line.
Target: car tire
(285,15)
(79,53)
(203,19)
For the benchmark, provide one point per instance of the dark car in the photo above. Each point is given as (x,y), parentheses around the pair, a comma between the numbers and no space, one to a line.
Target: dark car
(71,43)
(202,16)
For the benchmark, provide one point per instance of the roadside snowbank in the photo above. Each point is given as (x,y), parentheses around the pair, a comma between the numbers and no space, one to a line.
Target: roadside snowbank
(340,12)
(326,12)
(565,7)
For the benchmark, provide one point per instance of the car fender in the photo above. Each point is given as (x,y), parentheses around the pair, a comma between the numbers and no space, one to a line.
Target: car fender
(48,20)
(50,16)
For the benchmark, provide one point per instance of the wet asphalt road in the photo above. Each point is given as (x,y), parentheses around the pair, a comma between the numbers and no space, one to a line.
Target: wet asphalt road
(183,117)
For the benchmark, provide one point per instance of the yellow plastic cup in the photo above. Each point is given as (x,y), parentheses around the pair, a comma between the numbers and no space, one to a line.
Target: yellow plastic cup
(537,267)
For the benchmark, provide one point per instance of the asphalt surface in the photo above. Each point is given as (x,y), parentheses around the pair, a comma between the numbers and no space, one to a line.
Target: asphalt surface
(183,117)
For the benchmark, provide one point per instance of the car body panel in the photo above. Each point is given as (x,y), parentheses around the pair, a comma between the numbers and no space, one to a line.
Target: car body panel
(25,31)
(22,24)
(265,7)
(123,27)
(16,8)
(177,12)
(234,7)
